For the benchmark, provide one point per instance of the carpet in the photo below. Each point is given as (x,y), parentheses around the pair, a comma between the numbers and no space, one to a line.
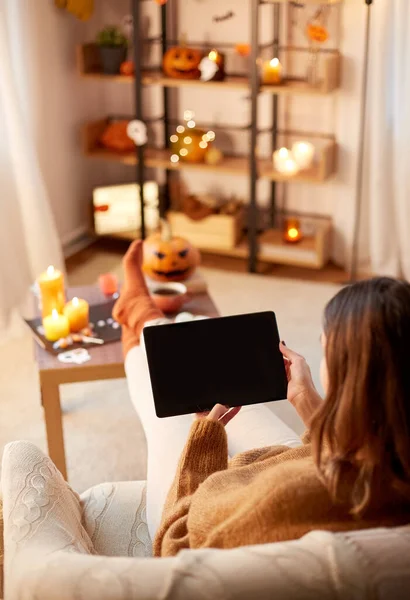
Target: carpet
(104,439)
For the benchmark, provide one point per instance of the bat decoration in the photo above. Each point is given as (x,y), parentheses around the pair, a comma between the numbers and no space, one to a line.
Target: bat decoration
(218,19)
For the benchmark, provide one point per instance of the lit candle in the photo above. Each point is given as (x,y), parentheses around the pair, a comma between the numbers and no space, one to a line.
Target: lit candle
(52,294)
(292,232)
(280,157)
(272,72)
(55,326)
(303,153)
(77,312)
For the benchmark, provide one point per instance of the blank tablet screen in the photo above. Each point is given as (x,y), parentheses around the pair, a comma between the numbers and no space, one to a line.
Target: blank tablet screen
(230,360)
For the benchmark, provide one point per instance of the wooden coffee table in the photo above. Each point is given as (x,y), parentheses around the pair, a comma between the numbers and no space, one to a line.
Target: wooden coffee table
(106,363)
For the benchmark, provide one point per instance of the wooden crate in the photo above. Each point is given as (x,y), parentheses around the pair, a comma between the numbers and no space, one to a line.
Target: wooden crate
(213,232)
(312,251)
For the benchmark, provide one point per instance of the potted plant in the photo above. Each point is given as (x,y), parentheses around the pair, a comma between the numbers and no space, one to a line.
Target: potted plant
(113,49)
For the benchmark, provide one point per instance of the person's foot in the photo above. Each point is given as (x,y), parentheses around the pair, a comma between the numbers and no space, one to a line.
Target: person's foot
(134,307)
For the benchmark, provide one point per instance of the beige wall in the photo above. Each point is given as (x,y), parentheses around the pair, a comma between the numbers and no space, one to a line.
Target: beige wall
(68,101)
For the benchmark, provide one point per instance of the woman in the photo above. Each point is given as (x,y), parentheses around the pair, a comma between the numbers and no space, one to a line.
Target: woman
(351,472)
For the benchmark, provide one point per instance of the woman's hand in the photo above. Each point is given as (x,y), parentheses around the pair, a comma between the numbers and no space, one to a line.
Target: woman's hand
(220,413)
(302,393)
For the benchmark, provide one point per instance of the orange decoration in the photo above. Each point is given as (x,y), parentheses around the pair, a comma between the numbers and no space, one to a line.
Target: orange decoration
(161,2)
(317,33)
(127,67)
(115,137)
(243,49)
(168,258)
(181,62)
(292,232)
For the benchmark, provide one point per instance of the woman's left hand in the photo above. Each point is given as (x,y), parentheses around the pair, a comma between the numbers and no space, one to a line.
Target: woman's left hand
(220,413)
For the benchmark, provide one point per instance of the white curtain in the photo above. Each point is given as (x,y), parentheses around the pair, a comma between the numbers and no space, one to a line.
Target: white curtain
(28,237)
(387,166)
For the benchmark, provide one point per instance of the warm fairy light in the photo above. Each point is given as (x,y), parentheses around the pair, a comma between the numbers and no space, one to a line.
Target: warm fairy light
(213,55)
(203,145)
(211,136)
(191,124)
(187,140)
(293,233)
(274,62)
(75,301)
(180,129)
(174,138)
(54,313)
(174,158)
(50,271)
(205,137)
(188,115)
(183,152)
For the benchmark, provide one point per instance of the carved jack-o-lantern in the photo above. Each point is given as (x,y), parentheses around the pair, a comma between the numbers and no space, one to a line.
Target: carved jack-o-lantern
(168,258)
(181,62)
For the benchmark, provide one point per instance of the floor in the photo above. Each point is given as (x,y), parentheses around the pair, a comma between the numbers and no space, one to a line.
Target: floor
(104,440)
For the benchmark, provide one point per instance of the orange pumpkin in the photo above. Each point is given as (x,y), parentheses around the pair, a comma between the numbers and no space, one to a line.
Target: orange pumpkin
(127,67)
(317,33)
(181,62)
(168,258)
(115,137)
(191,145)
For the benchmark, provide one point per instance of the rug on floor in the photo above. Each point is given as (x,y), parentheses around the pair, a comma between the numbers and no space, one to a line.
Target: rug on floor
(103,437)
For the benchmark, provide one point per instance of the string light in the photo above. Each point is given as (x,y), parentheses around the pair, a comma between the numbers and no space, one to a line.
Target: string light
(211,136)
(203,145)
(188,115)
(187,140)
(174,158)
(174,138)
(205,138)
(180,129)
(191,124)
(183,152)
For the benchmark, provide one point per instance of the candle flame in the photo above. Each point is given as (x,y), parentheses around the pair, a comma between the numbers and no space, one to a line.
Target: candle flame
(213,55)
(274,62)
(54,313)
(50,270)
(293,233)
(76,301)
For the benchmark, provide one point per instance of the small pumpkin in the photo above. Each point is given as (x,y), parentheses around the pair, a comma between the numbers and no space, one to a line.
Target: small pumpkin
(181,62)
(127,67)
(317,33)
(191,145)
(115,137)
(168,258)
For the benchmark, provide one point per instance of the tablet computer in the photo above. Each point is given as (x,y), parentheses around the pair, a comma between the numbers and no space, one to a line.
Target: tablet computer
(233,361)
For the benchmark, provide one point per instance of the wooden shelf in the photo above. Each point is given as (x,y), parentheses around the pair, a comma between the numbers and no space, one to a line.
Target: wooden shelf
(89,67)
(230,165)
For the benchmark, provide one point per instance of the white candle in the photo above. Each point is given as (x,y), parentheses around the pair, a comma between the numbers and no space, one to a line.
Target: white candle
(280,157)
(289,167)
(303,153)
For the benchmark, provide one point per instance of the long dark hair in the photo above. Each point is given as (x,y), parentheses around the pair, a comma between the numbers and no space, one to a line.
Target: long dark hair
(364,421)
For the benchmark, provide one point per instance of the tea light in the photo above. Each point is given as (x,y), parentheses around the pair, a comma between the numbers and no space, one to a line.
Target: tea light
(272,72)
(292,232)
(280,157)
(52,294)
(77,312)
(303,153)
(55,326)
(108,283)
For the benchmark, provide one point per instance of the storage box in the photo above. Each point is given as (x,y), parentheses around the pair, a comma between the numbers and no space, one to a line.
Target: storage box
(213,232)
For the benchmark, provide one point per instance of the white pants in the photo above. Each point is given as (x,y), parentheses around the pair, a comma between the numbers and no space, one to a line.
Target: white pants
(254,427)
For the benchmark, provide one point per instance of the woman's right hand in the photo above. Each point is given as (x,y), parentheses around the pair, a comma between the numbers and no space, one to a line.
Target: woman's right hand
(302,393)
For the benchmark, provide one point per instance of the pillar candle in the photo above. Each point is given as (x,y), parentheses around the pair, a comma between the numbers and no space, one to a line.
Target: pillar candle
(52,294)
(292,232)
(272,72)
(55,326)
(77,312)
(280,157)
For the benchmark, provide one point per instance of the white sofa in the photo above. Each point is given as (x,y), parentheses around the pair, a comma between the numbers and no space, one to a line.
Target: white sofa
(58,545)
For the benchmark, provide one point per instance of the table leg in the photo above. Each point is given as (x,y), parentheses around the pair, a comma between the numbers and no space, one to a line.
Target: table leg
(50,395)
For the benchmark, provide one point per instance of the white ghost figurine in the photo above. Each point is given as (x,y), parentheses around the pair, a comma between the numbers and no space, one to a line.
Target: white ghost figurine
(137,131)
(208,69)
